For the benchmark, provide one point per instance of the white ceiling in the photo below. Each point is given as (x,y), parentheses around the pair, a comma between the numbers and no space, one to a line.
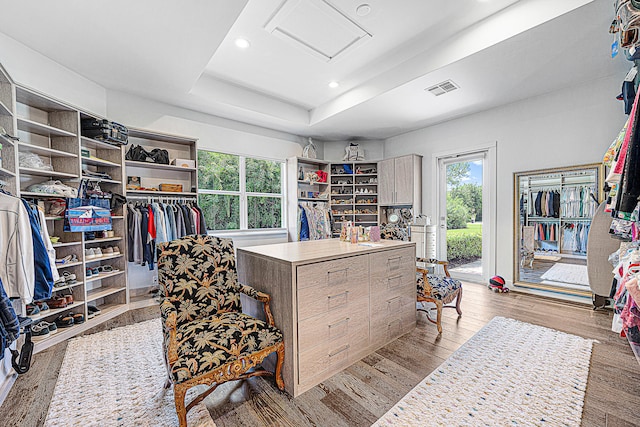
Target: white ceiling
(183,53)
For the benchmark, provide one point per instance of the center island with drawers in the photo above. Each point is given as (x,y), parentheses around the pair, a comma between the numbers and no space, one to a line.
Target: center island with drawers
(335,302)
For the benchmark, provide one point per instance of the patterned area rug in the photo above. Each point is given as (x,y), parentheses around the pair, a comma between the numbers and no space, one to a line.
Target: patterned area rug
(568,273)
(510,373)
(116,378)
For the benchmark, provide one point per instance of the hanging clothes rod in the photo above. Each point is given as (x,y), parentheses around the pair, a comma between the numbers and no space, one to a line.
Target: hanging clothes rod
(162,198)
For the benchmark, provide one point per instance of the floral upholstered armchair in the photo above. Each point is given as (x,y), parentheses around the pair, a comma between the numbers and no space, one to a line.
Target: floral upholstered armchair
(437,289)
(207,338)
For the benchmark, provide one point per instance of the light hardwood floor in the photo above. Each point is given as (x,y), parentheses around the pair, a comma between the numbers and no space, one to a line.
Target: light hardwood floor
(366,390)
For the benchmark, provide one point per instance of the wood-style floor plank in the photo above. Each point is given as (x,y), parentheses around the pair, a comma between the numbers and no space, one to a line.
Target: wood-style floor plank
(361,393)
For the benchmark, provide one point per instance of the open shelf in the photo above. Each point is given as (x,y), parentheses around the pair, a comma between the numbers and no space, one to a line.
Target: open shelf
(102,258)
(45,173)
(103,276)
(102,180)
(72,264)
(41,129)
(148,165)
(65,244)
(36,100)
(5,172)
(36,194)
(62,288)
(95,294)
(54,311)
(98,162)
(97,145)
(161,193)
(48,152)
(4,110)
(106,239)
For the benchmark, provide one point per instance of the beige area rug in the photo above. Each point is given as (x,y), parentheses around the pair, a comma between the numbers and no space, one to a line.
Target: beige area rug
(567,273)
(116,378)
(510,373)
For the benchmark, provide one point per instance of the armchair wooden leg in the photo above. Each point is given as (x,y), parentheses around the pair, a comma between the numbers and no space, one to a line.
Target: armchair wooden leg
(278,373)
(439,318)
(458,300)
(179,396)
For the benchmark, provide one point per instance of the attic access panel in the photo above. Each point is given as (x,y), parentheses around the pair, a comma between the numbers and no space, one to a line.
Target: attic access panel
(317,27)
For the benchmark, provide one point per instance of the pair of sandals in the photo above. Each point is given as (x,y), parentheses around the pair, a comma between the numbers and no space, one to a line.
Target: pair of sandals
(95,271)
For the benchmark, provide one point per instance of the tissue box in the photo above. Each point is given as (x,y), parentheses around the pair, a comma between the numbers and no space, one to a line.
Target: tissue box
(184,163)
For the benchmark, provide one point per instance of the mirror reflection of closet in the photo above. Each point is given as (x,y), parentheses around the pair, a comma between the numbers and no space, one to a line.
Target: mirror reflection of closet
(552,217)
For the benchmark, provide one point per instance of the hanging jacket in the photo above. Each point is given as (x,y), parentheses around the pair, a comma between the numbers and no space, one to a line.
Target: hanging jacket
(630,180)
(42,269)
(16,249)
(9,324)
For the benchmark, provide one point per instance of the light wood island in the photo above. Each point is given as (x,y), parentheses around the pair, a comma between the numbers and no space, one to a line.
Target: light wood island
(335,302)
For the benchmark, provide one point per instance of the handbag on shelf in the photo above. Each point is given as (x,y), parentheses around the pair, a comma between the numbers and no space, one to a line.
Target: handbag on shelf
(137,153)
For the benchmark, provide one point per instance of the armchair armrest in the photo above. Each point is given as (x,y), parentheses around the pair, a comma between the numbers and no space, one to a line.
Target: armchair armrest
(444,264)
(262,297)
(170,320)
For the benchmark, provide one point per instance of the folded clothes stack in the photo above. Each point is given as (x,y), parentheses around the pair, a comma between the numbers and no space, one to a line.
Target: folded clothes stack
(92,174)
(54,187)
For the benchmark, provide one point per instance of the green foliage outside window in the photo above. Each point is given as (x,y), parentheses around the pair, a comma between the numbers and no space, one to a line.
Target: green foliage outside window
(264,212)
(218,171)
(221,172)
(221,212)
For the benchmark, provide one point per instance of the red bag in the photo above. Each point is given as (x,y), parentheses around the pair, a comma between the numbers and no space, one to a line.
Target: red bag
(322,176)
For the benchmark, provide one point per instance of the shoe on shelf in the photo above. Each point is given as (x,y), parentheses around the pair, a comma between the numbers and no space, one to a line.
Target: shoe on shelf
(42,306)
(88,273)
(54,239)
(98,252)
(78,318)
(89,253)
(33,310)
(95,271)
(116,250)
(52,328)
(107,251)
(69,278)
(61,282)
(89,235)
(40,331)
(57,302)
(64,320)
(110,233)
(92,311)
(65,260)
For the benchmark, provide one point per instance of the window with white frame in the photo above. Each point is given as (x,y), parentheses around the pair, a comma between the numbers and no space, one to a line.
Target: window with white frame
(239,192)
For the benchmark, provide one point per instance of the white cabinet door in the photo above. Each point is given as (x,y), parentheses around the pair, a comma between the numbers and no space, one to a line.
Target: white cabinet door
(404,180)
(386,182)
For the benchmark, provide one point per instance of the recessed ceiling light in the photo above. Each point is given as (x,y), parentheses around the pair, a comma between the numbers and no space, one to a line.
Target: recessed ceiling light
(363,10)
(242,43)
(334,84)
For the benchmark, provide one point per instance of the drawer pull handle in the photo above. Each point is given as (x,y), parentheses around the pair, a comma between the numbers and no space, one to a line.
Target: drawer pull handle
(337,280)
(341,350)
(395,279)
(345,293)
(339,323)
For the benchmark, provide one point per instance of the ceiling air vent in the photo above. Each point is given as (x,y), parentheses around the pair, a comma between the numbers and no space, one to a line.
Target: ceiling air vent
(442,88)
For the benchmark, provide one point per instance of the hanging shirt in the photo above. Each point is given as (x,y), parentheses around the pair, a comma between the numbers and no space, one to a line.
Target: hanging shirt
(16,249)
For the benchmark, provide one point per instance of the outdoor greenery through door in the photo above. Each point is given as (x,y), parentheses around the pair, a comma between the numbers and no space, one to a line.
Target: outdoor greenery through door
(464,213)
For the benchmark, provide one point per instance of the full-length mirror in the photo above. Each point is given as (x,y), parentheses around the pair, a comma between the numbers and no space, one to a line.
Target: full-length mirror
(553,209)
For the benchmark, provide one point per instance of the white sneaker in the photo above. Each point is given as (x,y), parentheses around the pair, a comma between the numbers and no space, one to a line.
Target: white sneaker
(98,252)
(89,253)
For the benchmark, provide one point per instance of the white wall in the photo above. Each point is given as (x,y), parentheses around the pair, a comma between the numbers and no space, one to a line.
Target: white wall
(31,69)
(373,149)
(569,127)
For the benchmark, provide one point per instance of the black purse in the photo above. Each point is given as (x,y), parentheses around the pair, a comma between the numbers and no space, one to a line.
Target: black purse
(139,154)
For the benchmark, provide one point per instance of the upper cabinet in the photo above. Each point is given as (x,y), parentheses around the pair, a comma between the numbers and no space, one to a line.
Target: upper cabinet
(400,181)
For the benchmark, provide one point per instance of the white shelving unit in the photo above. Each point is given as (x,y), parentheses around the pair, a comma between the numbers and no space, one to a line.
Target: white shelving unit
(302,190)
(51,130)
(354,194)
(151,175)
